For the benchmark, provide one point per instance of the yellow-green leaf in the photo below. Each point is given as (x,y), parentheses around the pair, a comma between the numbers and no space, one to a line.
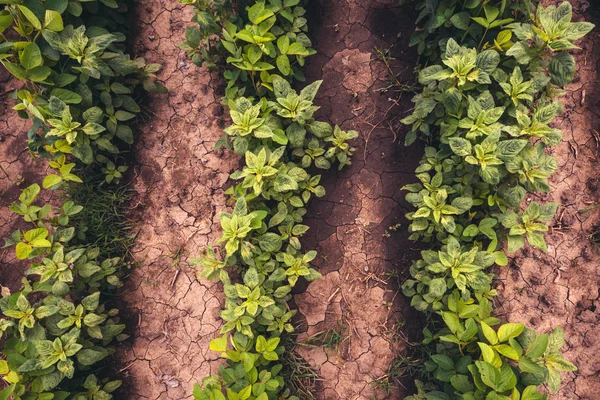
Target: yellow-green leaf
(489,333)
(219,344)
(4,369)
(51,180)
(33,20)
(23,250)
(509,331)
(53,21)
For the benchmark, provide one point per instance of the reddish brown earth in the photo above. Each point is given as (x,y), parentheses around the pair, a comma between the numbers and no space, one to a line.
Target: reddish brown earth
(179,182)
(351,225)
(562,288)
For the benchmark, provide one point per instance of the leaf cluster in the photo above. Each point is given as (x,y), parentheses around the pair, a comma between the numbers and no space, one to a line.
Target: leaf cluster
(81,89)
(57,324)
(80,83)
(486,109)
(274,129)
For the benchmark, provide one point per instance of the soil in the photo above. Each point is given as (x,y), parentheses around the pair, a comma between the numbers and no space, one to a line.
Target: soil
(179,182)
(358,227)
(562,287)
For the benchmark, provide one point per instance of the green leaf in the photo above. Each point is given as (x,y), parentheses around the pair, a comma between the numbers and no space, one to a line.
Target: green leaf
(297,49)
(14,69)
(23,250)
(510,148)
(500,258)
(6,20)
(31,56)
(491,12)
(508,331)
(489,375)
(508,379)
(283,64)
(53,21)
(452,321)
(270,242)
(531,393)
(84,153)
(554,379)
(559,363)
(251,278)
(507,351)
(91,302)
(257,13)
(125,133)
(67,96)
(577,30)
(527,365)
(481,21)
(536,239)
(460,146)
(489,333)
(29,194)
(488,60)
(488,353)
(37,74)
(261,344)
(429,74)
(88,357)
(36,235)
(51,181)
(443,361)
(556,340)
(538,347)
(33,20)
(562,69)
(461,20)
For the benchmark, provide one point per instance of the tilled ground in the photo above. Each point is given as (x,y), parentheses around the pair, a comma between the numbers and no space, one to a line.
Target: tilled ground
(179,183)
(562,287)
(358,228)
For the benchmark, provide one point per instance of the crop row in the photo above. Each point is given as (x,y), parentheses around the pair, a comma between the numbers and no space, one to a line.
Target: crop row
(264,45)
(495,71)
(80,88)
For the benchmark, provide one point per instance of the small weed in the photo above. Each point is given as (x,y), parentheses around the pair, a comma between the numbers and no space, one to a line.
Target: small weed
(299,376)
(175,256)
(329,338)
(103,221)
(403,367)
(385,56)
